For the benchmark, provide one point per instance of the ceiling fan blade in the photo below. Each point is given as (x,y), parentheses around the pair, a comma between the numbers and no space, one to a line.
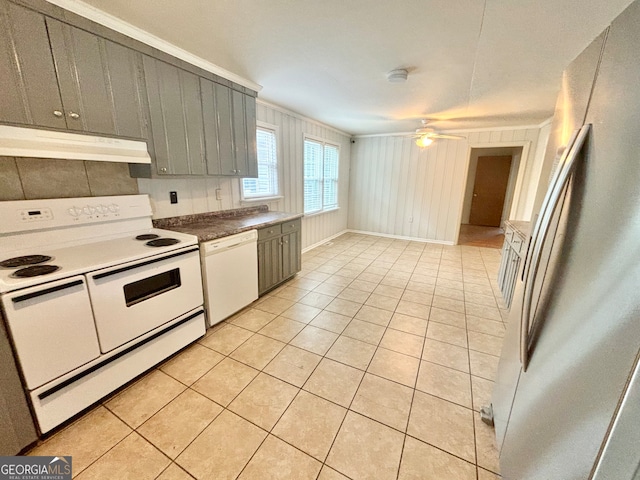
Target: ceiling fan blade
(446,136)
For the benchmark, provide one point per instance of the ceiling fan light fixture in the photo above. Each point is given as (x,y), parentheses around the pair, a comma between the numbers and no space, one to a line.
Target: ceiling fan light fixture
(398,76)
(424,141)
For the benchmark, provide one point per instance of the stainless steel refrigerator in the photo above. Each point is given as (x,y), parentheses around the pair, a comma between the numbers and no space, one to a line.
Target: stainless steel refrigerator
(566,403)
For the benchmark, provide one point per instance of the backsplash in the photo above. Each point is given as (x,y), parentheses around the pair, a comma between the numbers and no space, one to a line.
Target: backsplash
(195,195)
(34,178)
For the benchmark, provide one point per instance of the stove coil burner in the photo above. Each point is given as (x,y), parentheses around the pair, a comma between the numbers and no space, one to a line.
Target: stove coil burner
(162,242)
(25,260)
(35,271)
(147,236)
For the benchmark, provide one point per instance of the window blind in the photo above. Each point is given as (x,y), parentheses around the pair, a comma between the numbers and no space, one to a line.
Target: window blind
(320,176)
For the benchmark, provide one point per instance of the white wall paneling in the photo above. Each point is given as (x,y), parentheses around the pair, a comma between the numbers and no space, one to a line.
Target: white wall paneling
(528,195)
(198,195)
(400,189)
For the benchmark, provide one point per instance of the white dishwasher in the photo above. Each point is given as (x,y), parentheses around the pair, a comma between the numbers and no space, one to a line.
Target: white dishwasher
(230,274)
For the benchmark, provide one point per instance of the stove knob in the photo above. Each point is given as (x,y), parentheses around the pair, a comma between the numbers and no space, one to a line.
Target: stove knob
(74,211)
(114,207)
(102,209)
(88,210)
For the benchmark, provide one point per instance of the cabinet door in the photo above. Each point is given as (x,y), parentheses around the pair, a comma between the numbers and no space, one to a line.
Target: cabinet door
(504,263)
(239,120)
(252,149)
(514,267)
(28,85)
(176,118)
(225,130)
(269,264)
(98,82)
(210,118)
(291,254)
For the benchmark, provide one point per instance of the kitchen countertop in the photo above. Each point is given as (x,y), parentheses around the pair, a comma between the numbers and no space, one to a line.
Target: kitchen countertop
(521,227)
(212,225)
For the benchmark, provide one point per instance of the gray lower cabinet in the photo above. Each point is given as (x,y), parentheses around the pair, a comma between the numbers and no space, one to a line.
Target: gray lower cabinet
(513,252)
(230,130)
(17,428)
(55,75)
(177,130)
(279,254)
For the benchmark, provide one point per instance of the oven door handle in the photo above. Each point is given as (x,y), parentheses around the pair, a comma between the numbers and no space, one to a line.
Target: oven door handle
(142,264)
(46,291)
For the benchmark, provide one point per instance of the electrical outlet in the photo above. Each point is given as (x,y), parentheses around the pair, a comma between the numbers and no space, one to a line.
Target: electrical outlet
(173,197)
(218,194)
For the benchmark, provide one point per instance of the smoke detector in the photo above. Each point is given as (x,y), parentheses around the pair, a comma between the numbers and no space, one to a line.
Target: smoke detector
(398,76)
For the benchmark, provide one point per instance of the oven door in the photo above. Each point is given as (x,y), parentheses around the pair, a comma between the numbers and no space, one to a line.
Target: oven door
(51,326)
(132,299)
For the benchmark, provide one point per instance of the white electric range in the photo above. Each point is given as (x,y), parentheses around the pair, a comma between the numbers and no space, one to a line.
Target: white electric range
(93,296)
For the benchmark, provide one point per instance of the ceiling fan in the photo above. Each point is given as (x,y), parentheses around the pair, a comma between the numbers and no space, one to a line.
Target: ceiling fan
(426,135)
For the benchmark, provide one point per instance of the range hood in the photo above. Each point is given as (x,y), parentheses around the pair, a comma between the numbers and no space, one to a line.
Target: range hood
(35,143)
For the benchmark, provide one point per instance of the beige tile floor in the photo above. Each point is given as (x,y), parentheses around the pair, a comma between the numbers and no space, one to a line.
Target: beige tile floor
(372,363)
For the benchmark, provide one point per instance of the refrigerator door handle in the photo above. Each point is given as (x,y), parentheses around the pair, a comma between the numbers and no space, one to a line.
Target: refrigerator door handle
(552,201)
(545,204)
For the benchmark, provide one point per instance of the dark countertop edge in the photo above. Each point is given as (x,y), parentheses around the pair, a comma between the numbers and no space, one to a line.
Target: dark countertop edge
(219,230)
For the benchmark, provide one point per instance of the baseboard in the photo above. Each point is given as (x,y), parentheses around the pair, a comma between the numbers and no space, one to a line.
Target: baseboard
(399,237)
(375,234)
(323,241)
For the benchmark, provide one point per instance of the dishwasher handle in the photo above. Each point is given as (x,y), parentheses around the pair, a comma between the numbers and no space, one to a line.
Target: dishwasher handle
(229,243)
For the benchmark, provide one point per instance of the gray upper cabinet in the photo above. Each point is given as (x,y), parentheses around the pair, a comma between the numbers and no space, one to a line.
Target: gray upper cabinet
(55,75)
(176,118)
(30,94)
(230,130)
(218,130)
(244,134)
(98,82)
(252,149)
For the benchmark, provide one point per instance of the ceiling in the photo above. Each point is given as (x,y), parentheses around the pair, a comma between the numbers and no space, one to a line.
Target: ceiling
(472,64)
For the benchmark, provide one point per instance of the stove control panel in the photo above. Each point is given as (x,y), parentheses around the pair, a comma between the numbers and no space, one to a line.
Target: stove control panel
(26,215)
(36,215)
(94,211)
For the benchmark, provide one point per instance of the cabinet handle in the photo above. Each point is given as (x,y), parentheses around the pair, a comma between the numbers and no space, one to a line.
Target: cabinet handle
(163,170)
(286,241)
(238,171)
(57,113)
(74,115)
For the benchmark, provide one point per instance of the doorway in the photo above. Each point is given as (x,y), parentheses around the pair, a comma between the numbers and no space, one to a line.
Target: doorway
(488,195)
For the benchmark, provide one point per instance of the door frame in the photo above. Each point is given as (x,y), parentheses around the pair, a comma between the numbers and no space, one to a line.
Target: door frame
(517,190)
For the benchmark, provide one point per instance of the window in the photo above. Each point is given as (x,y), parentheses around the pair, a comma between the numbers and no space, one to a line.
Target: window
(320,176)
(266,185)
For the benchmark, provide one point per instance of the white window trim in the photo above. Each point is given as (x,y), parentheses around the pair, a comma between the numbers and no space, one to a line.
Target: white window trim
(321,212)
(324,142)
(278,195)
